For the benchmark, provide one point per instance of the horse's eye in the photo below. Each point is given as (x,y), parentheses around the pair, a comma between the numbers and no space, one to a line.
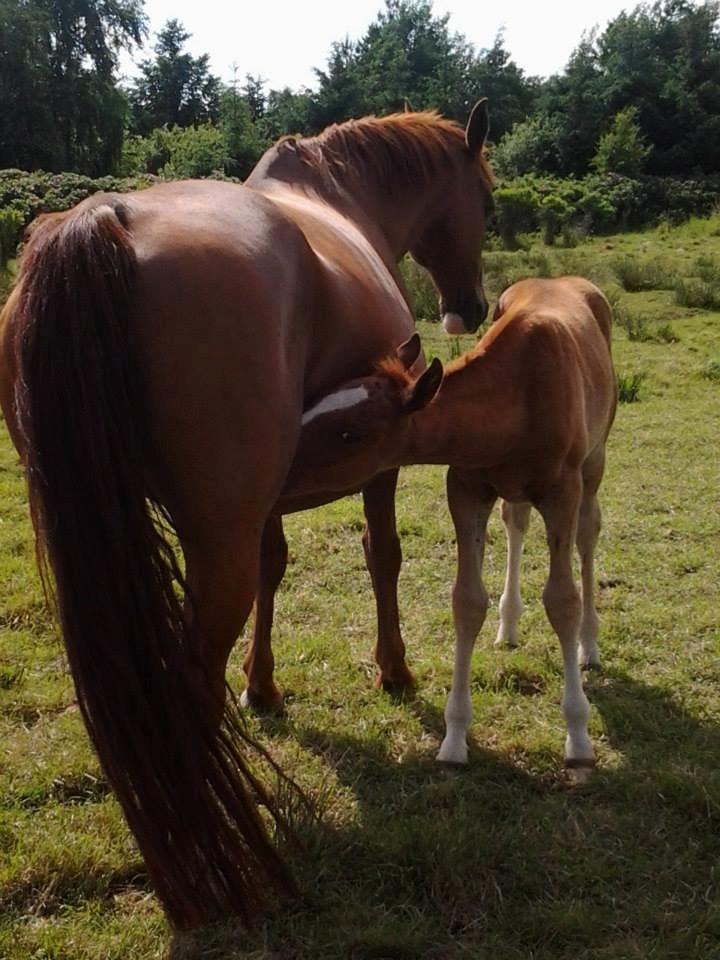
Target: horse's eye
(347,437)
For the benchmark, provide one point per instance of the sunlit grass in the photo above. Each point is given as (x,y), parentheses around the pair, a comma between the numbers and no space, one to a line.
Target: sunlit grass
(507,860)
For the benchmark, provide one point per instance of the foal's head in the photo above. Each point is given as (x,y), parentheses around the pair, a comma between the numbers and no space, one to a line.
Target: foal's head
(358,430)
(449,247)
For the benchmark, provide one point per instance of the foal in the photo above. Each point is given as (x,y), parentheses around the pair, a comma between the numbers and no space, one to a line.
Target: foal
(524,416)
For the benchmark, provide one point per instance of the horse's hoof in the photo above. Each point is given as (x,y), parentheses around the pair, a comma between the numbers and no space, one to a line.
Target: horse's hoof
(271,703)
(399,685)
(590,663)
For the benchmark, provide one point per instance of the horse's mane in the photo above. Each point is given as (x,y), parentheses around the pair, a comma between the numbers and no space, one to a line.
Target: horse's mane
(398,150)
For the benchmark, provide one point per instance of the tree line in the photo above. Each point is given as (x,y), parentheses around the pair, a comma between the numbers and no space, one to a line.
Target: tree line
(642,96)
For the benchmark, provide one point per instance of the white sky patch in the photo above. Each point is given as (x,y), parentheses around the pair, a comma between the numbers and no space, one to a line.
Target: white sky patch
(336,401)
(285,41)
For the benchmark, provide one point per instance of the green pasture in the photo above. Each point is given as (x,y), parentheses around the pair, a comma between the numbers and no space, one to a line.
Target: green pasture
(402,860)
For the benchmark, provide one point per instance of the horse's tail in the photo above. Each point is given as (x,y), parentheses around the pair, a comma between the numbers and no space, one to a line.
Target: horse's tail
(187,792)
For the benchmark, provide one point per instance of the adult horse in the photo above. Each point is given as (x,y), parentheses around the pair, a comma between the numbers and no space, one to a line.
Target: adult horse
(157,353)
(525,416)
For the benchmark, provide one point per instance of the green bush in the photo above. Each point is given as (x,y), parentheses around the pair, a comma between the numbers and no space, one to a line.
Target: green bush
(11,228)
(516,212)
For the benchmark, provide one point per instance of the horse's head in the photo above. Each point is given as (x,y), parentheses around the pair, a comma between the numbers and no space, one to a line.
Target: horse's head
(361,427)
(449,247)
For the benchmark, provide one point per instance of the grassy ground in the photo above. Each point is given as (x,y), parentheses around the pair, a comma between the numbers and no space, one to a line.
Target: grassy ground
(507,859)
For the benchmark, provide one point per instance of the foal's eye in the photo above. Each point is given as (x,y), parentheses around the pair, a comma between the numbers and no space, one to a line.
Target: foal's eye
(348,437)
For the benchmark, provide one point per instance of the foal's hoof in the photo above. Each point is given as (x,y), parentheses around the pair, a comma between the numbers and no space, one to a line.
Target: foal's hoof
(271,702)
(580,769)
(589,662)
(398,685)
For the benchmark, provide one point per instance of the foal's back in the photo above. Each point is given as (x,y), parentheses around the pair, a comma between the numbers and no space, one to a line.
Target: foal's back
(559,331)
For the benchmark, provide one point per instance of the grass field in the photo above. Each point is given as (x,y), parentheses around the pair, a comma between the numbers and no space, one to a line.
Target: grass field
(403,860)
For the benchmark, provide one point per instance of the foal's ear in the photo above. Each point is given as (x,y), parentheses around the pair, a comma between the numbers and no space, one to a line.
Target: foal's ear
(425,387)
(409,351)
(478,126)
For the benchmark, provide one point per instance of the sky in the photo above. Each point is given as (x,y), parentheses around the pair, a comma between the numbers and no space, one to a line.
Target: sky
(282,40)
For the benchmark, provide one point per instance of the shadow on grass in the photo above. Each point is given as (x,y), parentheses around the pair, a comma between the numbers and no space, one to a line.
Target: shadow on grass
(417,860)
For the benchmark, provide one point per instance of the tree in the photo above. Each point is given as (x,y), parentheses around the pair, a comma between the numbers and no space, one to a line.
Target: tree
(243,138)
(623,148)
(60,107)
(407,53)
(175,88)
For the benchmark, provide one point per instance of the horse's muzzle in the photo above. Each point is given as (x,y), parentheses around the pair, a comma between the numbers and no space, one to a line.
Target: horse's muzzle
(464,315)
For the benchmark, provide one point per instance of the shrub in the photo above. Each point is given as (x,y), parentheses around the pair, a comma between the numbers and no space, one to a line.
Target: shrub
(11,228)
(694,292)
(638,273)
(712,371)
(516,212)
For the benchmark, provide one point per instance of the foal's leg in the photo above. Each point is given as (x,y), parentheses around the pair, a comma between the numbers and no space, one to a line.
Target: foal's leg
(383,558)
(564,609)
(470,507)
(516,517)
(589,524)
(261,692)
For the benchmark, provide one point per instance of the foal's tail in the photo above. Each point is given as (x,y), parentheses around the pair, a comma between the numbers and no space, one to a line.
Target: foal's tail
(187,792)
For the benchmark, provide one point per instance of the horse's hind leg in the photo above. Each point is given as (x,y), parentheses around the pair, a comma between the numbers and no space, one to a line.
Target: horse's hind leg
(516,517)
(222,573)
(564,609)
(261,692)
(589,524)
(384,557)
(470,507)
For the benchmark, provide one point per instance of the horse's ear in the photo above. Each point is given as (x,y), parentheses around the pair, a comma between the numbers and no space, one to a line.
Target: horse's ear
(409,351)
(478,126)
(425,387)
(407,106)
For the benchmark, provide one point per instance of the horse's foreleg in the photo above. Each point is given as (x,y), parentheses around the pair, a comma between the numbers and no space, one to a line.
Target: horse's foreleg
(383,557)
(470,508)
(261,692)
(516,517)
(564,609)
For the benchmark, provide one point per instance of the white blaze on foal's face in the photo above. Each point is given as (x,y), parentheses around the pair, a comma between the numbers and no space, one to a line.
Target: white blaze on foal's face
(340,400)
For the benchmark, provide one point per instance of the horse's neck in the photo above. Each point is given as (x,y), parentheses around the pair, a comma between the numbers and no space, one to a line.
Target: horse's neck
(390,220)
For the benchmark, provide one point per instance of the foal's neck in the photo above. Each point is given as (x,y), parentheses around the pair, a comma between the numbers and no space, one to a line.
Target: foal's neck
(472,421)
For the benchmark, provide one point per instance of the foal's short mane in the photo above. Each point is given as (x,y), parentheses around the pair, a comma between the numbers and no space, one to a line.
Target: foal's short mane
(403,149)
(393,368)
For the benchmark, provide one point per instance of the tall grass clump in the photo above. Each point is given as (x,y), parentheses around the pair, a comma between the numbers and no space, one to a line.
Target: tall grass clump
(638,273)
(629,385)
(695,292)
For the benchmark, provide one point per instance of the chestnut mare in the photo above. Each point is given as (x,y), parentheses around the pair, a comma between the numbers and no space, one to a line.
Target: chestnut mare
(157,353)
(524,416)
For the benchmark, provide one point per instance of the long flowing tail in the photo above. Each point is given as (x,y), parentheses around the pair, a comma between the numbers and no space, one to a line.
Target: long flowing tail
(186,790)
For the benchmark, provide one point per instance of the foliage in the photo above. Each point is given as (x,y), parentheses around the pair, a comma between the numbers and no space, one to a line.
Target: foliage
(408,53)
(661,61)
(623,148)
(174,88)
(25,195)
(59,105)
(11,228)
